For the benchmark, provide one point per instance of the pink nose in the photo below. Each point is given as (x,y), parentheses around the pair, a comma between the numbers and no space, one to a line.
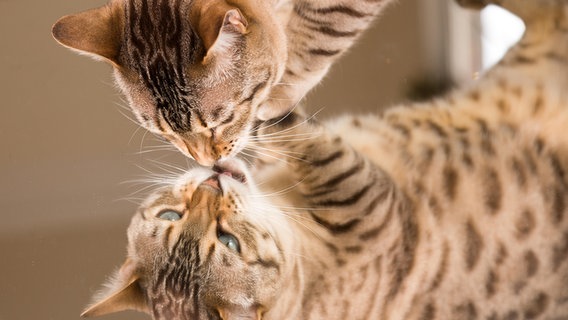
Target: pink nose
(202,151)
(204,159)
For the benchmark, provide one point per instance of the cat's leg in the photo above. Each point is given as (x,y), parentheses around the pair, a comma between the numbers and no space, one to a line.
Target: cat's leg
(318,33)
(341,189)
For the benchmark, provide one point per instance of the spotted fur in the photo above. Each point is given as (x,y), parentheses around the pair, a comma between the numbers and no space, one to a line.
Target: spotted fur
(452,209)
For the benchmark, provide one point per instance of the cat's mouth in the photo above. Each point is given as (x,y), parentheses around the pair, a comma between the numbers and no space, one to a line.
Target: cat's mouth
(230,169)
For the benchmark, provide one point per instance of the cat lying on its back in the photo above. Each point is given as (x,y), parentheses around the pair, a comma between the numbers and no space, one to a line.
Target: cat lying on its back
(453,209)
(199,72)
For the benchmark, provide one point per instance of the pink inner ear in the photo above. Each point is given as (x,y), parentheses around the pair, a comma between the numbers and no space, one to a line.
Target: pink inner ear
(234,25)
(235,18)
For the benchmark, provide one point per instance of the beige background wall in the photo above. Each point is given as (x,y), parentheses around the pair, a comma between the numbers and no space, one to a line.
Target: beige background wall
(66,150)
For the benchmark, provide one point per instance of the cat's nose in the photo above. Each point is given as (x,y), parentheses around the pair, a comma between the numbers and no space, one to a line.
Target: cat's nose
(206,196)
(205,159)
(213,182)
(202,151)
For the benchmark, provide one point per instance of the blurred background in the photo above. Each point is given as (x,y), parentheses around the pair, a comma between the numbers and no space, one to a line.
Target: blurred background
(70,155)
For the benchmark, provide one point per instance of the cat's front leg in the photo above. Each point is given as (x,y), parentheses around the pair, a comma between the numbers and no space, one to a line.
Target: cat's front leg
(318,33)
(340,188)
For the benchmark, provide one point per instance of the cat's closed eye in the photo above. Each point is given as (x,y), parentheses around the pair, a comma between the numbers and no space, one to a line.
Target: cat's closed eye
(196,80)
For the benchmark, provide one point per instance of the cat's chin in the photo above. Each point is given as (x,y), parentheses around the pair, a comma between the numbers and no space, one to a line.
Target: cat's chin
(233,168)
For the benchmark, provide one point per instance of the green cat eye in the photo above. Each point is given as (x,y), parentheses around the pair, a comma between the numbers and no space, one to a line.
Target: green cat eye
(230,241)
(169,215)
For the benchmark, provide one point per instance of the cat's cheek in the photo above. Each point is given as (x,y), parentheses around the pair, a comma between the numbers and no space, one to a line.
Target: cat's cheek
(139,100)
(238,145)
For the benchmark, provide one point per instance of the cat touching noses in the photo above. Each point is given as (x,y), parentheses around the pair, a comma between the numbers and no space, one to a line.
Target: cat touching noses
(202,73)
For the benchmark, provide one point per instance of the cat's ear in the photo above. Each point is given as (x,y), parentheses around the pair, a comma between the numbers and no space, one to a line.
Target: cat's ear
(221,39)
(127,295)
(240,313)
(95,32)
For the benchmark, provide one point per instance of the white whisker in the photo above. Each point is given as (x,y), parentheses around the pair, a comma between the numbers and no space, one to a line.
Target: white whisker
(282,152)
(280,135)
(278,193)
(255,156)
(260,151)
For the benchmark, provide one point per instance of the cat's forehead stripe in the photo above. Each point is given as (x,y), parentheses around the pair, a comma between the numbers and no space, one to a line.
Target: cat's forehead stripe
(159,43)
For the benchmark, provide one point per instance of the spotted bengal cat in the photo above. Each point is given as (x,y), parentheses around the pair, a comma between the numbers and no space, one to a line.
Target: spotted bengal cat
(199,73)
(452,209)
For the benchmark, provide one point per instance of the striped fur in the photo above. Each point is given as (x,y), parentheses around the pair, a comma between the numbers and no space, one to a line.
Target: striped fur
(196,71)
(318,33)
(452,209)
(200,94)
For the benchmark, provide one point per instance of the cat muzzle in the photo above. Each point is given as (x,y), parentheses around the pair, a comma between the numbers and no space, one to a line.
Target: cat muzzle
(231,169)
(213,182)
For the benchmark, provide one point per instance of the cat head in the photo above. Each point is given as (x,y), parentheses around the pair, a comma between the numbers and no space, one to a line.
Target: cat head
(193,71)
(204,248)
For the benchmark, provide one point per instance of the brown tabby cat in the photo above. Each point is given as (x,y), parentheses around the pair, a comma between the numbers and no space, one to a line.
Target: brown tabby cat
(196,71)
(454,209)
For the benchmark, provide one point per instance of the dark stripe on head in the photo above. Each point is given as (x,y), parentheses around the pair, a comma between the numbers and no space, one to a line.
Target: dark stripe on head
(159,43)
(174,292)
